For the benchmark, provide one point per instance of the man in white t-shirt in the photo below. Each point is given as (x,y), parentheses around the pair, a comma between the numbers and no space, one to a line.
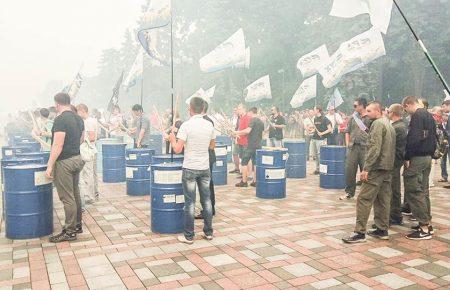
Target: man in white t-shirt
(196,136)
(88,176)
(335,120)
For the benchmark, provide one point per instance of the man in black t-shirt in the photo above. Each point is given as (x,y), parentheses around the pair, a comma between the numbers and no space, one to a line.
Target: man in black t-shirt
(254,131)
(322,127)
(277,124)
(65,164)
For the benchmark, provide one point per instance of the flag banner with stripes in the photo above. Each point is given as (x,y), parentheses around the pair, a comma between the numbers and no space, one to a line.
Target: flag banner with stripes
(310,63)
(136,70)
(352,55)
(259,90)
(157,16)
(306,91)
(230,53)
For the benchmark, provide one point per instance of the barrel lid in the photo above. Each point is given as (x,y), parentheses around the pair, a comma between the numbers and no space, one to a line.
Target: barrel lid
(14,147)
(219,144)
(20,159)
(115,144)
(167,156)
(168,165)
(137,150)
(293,140)
(274,149)
(33,153)
(334,146)
(27,166)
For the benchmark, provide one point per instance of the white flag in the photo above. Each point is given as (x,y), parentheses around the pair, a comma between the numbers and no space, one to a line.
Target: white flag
(447,95)
(245,63)
(199,94)
(228,54)
(352,55)
(379,10)
(259,90)
(136,70)
(209,94)
(306,91)
(336,100)
(310,63)
(75,86)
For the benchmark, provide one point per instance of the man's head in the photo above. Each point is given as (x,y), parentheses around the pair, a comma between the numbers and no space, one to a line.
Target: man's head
(196,106)
(360,104)
(62,102)
(410,104)
(241,110)
(374,110)
(83,111)
(318,110)
(275,111)
(395,112)
(137,110)
(423,103)
(446,106)
(253,112)
(44,113)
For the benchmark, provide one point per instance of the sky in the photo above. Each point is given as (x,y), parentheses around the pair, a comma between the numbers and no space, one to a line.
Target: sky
(45,40)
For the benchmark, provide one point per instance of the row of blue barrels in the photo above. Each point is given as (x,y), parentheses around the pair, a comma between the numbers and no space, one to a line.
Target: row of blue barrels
(28,199)
(271,173)
(332,167)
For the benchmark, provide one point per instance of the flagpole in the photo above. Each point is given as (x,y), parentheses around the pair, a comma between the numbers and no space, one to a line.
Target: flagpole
(424,49)
(171,69)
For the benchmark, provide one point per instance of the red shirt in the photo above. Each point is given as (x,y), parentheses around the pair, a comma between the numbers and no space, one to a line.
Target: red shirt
(244,121)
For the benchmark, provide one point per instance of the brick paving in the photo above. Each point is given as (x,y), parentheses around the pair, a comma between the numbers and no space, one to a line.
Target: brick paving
(293,243)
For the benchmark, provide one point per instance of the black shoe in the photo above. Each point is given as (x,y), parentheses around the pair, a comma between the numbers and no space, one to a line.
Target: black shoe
(396,222)
(447,187)
(234,171)
(406,212)
(62,237)
(253,184)
(241,184)
(417,227)
(355,238)
(346,196)
(419,235)
(316,172)
(79,229)
(379,234)
(199,217)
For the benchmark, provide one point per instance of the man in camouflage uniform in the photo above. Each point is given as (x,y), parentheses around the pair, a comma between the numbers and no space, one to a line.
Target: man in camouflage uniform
(376,178)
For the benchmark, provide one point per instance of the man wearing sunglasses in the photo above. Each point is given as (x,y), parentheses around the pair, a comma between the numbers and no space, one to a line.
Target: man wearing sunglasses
(356,140)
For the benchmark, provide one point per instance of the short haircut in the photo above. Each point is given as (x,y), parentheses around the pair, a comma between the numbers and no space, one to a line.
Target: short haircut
(276,109)
(377,105)
(197,104)
(396,109)
(254,110)
(362,101)
(205,106)
(44,112)
(424,102)
(409,100)
(319,108)
(62,99)
(137,108)
(82,107)
(446,103)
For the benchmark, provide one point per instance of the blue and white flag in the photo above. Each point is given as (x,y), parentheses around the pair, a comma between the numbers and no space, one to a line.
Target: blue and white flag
(310,63)
(136,70)
(335,101)
(259,90)
(306,91)
(157,16)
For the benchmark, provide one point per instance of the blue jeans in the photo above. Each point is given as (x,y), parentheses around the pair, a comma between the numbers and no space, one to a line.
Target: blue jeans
(192,179)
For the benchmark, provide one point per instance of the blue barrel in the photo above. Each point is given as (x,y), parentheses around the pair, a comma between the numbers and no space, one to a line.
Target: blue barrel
(296,163)
(99,146)
(45,155)
(138,163)
(332,167)
(9,152)
(114,162)
(226,140)
(219,171)
(28,202)
(156,143)
(167,202)
(16,140)
(166,158)
(271,173)
(33,146)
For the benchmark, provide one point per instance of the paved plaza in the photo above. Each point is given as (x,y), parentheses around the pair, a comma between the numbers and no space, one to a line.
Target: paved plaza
(294,243)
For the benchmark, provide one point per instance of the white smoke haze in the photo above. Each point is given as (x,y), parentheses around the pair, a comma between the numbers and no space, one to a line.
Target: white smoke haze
(47,40)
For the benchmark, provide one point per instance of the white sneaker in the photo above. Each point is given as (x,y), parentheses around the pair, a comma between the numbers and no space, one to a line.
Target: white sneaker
(207,237)
(183,239)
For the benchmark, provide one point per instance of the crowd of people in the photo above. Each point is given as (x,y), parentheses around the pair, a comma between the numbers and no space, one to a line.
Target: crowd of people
(382,144)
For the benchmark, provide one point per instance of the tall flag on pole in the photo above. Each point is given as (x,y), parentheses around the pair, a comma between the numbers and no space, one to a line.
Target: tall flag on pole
(231,53)
(447,95)
(306,91)
(336,100)
(75,86)
(259,90)
(158,15)
(352,55)
(136,70)
(115,95)
(310,63)
(379,10)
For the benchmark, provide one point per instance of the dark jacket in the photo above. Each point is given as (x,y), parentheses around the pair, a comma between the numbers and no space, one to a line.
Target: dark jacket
(400,142)
(421,140)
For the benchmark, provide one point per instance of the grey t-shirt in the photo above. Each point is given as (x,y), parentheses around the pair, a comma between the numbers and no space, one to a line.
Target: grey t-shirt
(140,123)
